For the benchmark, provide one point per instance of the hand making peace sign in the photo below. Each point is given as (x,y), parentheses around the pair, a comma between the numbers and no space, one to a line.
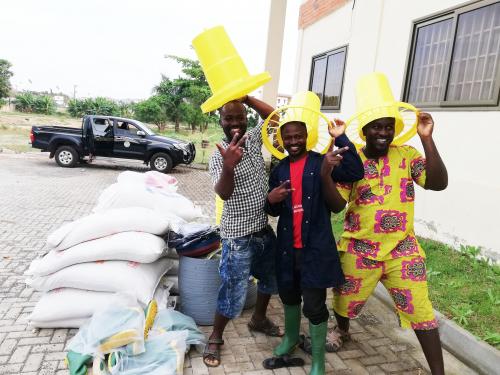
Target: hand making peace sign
(279,193)
(234,152)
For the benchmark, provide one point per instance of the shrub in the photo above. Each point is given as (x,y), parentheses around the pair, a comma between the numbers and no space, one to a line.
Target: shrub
(34,103)
(90,106)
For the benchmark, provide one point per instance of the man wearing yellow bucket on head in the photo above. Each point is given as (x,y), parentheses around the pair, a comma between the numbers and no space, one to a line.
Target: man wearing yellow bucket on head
(238,173)
(301,192)
(248,243)
(378,242)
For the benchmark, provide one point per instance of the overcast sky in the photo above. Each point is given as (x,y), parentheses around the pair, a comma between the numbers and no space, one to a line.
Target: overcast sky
(116,48)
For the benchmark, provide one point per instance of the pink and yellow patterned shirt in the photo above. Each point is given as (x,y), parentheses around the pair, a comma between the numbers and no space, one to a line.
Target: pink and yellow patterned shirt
(378,223)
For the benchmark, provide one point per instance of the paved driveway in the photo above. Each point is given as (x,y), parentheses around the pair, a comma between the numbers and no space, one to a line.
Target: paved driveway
(37,196)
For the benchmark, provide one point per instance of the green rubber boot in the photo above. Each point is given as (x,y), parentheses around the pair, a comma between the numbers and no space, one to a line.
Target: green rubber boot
(318,338)
(292,329)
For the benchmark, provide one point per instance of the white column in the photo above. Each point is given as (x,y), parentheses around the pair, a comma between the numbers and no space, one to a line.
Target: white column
(274,48)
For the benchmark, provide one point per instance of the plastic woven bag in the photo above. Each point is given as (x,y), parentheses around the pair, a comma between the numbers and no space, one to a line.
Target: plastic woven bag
(170,320)
(111,328)
(164,355)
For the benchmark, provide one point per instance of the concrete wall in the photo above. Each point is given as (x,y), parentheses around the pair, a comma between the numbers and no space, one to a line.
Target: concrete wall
(377,33)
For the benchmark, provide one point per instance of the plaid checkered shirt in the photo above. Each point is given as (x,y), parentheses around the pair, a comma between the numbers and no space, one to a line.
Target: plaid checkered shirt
(243,212)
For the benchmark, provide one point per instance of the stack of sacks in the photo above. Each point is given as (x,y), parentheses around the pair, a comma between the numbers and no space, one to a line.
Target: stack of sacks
(91,258)
(152,190)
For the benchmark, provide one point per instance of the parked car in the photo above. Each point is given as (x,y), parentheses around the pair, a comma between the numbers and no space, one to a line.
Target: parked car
(108,136)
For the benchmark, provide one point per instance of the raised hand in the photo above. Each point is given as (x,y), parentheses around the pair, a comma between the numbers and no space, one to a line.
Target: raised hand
(331,160)
(232,155)
(336,128)
(279,193)
(425,125)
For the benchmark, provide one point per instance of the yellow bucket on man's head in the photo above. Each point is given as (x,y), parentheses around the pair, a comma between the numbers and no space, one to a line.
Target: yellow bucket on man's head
(224,69)
(374,100)
(304,107)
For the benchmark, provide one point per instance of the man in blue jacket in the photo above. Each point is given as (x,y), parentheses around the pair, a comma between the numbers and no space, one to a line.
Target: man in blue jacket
(302,193)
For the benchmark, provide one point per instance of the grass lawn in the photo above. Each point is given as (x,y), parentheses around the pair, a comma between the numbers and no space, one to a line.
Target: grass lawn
(465,289)
(213,135)
(14,138)
(15,128)
(461,287)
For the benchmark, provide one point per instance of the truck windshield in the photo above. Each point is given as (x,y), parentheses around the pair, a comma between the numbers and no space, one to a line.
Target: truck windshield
(144,127)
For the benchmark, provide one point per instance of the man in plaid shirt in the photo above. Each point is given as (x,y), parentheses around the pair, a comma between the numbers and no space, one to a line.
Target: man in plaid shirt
(248,243)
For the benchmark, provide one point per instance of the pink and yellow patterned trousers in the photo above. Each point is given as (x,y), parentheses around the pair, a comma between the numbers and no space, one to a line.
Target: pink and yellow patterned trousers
(404,278)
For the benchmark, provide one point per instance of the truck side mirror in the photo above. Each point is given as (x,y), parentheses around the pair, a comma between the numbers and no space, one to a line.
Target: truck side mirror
(141,133)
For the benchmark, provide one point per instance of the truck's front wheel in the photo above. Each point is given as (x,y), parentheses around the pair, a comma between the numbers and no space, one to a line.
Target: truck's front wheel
(66,156)
(161,162)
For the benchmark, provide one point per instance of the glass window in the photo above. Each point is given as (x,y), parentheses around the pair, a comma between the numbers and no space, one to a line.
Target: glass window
(327,76)
(429,68)
(455,59)
(100,125)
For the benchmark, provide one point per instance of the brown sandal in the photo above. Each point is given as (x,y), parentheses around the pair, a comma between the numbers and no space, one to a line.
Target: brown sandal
(213,354)
(335,338)
(334,341)
(265,326)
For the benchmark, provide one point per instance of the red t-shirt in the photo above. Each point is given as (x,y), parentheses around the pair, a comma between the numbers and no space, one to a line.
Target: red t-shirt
(296,172)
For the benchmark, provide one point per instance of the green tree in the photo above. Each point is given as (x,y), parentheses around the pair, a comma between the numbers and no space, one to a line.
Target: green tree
(30,102)
(126,109)
(5,75)
(25,102)
(178,100)
(196,91)
(252,118)
(151,111)
(171,94)
(90,106)
(44,104)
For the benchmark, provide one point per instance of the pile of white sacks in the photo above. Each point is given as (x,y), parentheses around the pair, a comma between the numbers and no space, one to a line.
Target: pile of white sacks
(118,248)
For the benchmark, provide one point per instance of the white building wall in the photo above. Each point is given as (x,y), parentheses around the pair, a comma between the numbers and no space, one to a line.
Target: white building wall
(378,33)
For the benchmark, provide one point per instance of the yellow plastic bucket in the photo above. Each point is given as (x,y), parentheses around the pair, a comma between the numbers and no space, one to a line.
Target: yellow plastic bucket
(224,69)
(374,100)
(304,107)
(219,205)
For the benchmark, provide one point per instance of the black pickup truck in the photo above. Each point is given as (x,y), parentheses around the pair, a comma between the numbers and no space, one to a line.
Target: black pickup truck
(114,137)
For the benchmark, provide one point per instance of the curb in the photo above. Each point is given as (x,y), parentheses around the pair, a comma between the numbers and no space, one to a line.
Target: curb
(462,344)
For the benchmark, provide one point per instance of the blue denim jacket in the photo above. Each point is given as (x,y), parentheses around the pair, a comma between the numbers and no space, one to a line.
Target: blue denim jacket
(320,260)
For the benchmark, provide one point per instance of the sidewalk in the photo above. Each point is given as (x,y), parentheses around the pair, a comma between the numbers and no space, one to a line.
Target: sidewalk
(36,197)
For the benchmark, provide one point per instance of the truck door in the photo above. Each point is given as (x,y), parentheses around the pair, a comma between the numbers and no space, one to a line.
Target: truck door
(128,144)
(103,136)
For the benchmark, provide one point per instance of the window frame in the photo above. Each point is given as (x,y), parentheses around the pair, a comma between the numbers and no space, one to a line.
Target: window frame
(326,54)
(442,104)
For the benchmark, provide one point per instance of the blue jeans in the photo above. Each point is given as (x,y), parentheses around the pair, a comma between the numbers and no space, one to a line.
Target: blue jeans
(254,255)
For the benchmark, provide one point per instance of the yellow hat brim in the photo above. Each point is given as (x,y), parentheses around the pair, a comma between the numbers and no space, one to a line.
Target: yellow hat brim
(404,129)
(315,141)
(235,90)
